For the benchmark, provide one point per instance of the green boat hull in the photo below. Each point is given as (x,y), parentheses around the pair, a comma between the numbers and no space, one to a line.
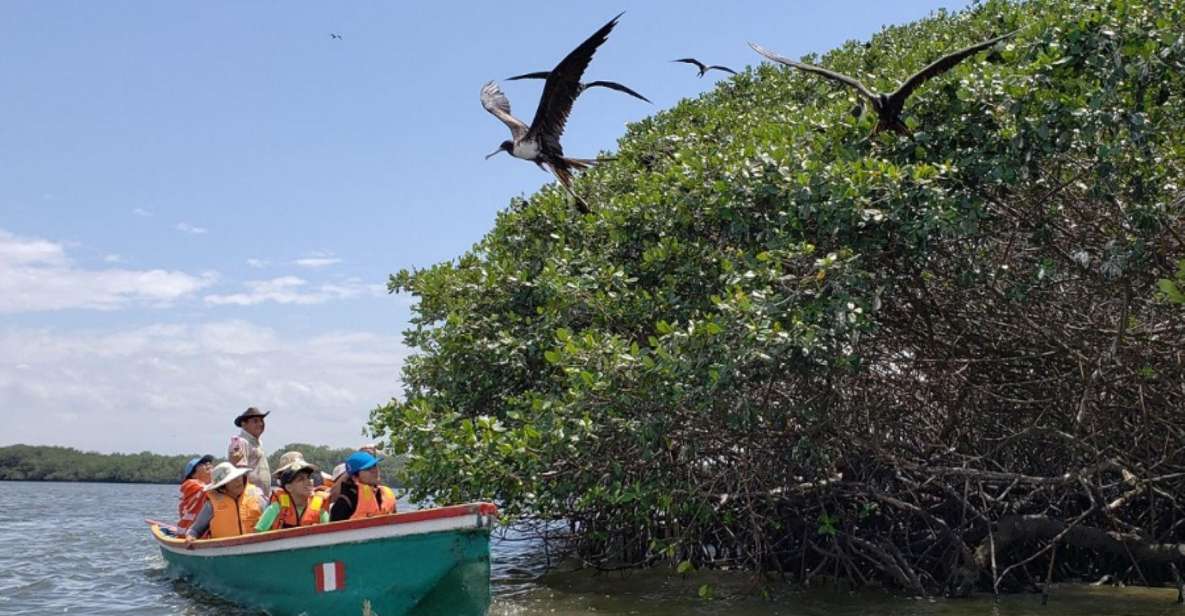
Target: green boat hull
(433,573)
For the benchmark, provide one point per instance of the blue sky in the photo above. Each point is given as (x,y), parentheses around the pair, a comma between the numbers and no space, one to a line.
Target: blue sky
(200,202)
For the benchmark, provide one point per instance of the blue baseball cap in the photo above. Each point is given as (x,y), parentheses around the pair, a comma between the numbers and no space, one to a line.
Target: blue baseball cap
(193,464)
(360,461)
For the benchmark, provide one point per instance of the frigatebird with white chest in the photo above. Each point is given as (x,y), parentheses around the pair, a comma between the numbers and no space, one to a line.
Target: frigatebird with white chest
(540,142)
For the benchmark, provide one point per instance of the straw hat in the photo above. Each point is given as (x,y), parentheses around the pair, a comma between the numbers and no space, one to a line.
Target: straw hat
(293,460)
(224,473)
(291,463)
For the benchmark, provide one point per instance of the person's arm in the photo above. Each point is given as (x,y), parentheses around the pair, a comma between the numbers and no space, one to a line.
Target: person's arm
(202,523)
(268,517)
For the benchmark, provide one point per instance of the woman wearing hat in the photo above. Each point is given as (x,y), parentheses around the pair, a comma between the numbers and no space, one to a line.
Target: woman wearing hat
(361,496)
(193,490)
(297,502)
(232,507)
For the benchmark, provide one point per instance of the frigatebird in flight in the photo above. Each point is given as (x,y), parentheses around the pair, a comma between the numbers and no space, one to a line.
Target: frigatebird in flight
(540,142)
(334,35)
(703,68)
(612,85)
(888,106)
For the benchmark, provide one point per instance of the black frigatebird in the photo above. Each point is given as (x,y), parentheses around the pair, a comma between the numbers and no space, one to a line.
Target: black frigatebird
(888,106)
(334,35)
(540,142)
(612,85)
(703,68)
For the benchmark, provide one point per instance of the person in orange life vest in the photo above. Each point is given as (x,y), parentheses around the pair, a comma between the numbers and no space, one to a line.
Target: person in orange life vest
(232,508)
(297,502)
(193,490)
(361,495)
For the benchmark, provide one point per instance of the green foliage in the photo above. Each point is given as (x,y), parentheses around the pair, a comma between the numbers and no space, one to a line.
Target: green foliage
(697,340)
(37,463)
(42,463)
(827,524)
(1173,289)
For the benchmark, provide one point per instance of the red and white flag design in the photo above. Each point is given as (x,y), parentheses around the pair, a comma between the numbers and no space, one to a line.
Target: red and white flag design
(330,576)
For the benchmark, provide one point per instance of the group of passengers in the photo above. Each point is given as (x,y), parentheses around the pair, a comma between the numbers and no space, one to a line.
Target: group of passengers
(238,497)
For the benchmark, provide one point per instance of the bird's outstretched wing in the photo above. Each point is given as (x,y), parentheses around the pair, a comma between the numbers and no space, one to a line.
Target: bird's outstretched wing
(495,102)
(942,65)
(535,75)
(818,70)
(563,87)
(722,68)
(697,63)
(613,85)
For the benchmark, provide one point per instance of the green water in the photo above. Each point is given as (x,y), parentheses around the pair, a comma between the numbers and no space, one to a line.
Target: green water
(76,548)
(661,594)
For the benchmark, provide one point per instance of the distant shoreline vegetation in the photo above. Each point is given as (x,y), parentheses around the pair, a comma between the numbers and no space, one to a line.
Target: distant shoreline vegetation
(51,463)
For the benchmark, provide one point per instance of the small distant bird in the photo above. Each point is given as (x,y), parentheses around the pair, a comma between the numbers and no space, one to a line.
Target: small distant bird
(540,142)
(703,68)
(334,35)
(888,106)
(612,85)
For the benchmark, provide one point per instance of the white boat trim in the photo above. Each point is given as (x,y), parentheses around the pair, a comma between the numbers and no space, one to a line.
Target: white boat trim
(354,535)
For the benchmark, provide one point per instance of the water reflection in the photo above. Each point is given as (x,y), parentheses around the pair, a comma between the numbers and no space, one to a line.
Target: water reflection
(63,560)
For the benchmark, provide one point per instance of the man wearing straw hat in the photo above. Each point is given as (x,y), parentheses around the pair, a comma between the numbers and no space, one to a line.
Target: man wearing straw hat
(246,450)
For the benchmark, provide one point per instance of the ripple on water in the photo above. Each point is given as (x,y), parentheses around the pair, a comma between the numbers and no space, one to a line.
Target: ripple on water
(63,562)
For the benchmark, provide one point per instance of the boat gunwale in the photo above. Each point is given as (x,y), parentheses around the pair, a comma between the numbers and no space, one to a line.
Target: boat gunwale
(410,517)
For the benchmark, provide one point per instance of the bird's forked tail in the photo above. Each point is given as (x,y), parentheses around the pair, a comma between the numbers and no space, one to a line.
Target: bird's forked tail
(563,173)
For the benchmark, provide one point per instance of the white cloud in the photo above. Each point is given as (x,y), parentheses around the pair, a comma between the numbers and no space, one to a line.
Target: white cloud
(188,228)
(114,258)
(294,290)
(175,388)
(317,259)
(257,263)
(141,212)
(316,262)
(37,275)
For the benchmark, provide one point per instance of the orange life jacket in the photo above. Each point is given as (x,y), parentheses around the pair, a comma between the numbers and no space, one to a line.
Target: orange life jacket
(193,498)
(235,517)
(287,516)
(368,502)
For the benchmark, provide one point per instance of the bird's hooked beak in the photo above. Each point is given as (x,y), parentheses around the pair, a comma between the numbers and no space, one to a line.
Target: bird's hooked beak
(491,154)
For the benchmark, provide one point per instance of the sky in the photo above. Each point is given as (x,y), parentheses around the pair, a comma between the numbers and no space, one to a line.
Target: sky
(201,202)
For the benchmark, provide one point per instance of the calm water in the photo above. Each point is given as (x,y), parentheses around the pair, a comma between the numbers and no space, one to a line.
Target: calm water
(84,549)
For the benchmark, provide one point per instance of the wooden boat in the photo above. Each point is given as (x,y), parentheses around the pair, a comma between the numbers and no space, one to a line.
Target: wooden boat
(426,562)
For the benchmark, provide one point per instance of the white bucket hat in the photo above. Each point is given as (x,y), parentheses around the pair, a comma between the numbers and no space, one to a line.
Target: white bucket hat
(224,473)
(293,461)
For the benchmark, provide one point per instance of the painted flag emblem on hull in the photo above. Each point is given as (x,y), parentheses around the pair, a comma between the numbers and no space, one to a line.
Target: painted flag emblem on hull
(330,576)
